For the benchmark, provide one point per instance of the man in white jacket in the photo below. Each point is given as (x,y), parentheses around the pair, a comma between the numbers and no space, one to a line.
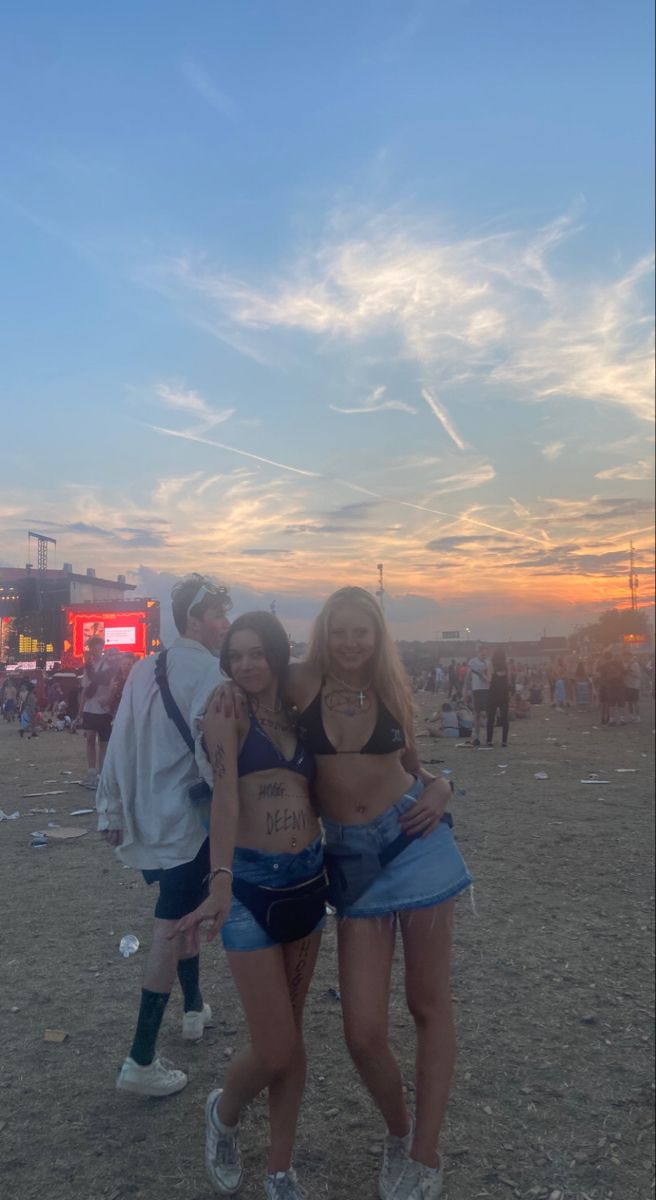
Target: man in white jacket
(147,814)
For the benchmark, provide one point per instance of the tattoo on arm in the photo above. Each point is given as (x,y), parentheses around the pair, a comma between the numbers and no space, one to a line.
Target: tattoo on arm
(218,761)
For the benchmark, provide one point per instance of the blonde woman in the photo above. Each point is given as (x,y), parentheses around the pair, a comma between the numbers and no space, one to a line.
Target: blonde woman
(394,866)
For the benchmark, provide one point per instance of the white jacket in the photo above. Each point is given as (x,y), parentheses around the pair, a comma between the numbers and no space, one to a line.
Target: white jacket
(144,785)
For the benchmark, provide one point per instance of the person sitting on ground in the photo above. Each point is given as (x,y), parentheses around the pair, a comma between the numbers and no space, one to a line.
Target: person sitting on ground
(444,723)
(520,708)
(62,721)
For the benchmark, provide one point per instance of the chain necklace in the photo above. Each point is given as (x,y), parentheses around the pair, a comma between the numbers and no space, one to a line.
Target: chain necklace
(360,692)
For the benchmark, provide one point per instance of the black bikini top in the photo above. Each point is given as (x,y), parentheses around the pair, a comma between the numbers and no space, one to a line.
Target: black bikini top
(387,736)
(260,753)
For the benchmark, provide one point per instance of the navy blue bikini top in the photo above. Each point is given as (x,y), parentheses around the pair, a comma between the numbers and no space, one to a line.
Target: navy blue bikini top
(260,753)
(387,736)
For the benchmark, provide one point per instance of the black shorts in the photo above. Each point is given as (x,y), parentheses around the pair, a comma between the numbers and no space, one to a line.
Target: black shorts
(100,723)
(479,697)
(183,888)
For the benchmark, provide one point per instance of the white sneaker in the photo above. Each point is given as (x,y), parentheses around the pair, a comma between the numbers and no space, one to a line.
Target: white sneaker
(396,1156)
(159,1078)
(419,1182)
(193,1023)
(222,1157)
(91,779)
(284,1186)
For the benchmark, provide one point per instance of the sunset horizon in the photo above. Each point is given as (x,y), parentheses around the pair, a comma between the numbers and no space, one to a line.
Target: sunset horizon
(286,304)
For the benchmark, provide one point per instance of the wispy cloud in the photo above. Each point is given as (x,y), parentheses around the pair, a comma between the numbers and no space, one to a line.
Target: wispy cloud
(375,403)
(552,451)
(489,310)
(462,481)
(189,401)
(166,489)
(637,470)
(202,83)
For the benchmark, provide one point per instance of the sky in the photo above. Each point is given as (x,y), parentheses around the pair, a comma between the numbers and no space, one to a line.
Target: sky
(291,290)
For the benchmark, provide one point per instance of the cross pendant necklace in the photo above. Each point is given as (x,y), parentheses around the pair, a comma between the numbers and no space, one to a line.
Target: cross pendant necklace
(360,692)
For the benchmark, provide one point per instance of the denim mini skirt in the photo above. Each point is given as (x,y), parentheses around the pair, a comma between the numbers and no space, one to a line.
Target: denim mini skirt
(429,871)
(241,931)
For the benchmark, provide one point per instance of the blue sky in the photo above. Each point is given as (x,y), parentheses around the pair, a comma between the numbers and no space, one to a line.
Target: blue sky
(381,273)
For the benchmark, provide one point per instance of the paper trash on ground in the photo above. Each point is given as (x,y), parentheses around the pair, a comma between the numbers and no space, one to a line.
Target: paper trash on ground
(35,795)
(61,833)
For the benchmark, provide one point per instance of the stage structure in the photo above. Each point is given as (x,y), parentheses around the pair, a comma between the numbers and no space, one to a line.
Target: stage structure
(46,615)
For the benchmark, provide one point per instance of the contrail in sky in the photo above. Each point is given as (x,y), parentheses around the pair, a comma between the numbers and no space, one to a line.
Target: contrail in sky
(443,417)
(192,437)
(356,487)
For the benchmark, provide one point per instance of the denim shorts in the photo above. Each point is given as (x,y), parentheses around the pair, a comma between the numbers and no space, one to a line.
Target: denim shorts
(241,931)
(429,871)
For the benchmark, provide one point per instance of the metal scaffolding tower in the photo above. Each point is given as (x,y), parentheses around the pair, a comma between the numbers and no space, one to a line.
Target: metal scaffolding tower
(42,543)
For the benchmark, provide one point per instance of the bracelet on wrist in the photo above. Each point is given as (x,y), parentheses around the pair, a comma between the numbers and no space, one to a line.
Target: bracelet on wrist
(209,879)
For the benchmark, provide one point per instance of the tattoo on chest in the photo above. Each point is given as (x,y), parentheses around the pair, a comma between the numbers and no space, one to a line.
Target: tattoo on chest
(286,820)
(347,703)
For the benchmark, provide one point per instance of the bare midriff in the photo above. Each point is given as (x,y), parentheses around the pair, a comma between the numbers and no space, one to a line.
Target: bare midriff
(276,814)
(354,789)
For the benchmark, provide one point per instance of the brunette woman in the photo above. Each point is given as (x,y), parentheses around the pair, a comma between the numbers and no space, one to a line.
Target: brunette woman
(265,846)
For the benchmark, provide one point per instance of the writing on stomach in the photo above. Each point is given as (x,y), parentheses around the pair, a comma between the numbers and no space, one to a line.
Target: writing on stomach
(276,813)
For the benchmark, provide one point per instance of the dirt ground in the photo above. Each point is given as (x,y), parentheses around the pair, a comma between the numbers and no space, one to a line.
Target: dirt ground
(552,980)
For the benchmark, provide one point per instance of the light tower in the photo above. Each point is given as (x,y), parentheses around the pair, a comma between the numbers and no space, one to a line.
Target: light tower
(633,582)
(380,591)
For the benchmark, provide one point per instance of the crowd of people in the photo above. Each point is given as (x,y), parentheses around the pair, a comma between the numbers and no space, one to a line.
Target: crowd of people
(491,690)
(60,702)
(258,795)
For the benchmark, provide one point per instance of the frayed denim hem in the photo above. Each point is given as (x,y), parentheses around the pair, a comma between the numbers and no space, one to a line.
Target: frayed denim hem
(427,902)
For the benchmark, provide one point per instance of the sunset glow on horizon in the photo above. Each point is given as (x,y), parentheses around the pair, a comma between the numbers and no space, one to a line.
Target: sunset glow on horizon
(296,293)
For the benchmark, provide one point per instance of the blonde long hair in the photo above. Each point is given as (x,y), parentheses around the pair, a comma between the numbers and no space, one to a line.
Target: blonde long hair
(388,674)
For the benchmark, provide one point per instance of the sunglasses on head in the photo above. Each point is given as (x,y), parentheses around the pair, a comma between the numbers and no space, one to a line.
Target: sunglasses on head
(209,589)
